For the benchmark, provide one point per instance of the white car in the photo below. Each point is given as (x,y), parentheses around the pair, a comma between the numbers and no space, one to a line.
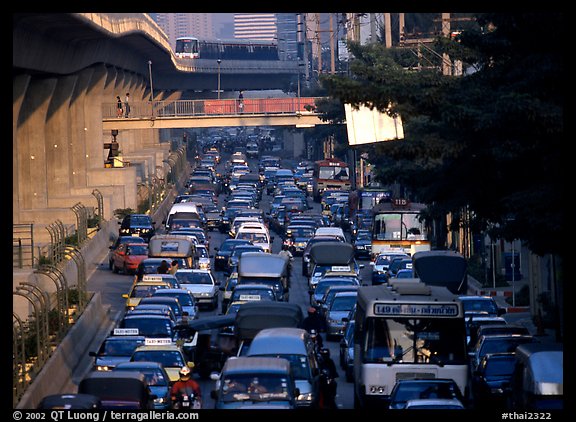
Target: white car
(202,285)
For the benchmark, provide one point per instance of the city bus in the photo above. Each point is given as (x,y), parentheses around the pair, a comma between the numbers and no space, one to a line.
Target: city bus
(396,226)
(409,330)
(330,174)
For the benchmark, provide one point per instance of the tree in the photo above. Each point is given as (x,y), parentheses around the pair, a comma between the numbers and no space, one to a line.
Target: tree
(490,140)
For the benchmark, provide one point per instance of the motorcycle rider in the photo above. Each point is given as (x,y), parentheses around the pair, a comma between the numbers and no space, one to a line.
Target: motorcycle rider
(328,375)
(184,386)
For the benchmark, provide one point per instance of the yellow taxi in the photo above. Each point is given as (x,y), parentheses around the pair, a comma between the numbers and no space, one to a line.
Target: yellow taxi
(143,289)
(163,351)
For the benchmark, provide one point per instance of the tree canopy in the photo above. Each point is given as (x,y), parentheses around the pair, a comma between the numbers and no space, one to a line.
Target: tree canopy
(489,140)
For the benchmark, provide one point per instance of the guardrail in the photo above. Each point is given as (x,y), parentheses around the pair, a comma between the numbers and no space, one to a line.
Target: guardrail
(188,108)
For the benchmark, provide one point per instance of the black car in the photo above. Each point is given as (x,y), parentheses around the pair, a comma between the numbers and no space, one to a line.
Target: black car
(137,225)
(491,380)
(224,252)
(363,244)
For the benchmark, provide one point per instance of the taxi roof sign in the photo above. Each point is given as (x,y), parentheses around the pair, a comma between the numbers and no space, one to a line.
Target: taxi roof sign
(126,331)
(157,341)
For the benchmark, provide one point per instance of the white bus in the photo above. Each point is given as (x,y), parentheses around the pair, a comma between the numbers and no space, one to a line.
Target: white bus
(408,330)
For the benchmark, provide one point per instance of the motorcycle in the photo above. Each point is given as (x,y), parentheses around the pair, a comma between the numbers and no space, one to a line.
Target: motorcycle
(327,390)
(187,400)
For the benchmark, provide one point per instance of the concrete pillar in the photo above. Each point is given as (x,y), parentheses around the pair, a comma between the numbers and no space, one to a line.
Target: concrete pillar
(31,144)
(58,140)
(95,96)
(79,131)
(19,87)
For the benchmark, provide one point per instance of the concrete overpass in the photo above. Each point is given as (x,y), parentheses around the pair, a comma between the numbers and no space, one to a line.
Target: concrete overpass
(65,67)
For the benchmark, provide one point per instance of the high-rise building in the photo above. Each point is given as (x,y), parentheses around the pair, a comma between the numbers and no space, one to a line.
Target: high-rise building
(287,31)
(255,26)
(184,24)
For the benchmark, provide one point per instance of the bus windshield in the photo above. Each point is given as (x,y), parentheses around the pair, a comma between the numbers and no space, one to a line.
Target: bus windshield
(409,340)
(333,172)
(398,226)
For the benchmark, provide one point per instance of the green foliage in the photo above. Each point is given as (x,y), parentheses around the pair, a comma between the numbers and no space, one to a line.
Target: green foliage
(120,213)
(490,140)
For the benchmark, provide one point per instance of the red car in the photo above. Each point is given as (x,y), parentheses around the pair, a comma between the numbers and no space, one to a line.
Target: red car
(127,256)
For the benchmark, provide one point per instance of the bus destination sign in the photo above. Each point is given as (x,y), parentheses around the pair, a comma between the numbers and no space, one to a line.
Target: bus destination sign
(416,309)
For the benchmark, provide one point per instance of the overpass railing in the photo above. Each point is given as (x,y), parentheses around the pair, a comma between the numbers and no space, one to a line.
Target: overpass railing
(188,108)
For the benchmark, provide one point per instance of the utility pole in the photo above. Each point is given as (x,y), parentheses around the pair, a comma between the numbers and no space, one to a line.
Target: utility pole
(402,26)
(446,63)
(387,30)
(318,42)
(372,28)
(332,48)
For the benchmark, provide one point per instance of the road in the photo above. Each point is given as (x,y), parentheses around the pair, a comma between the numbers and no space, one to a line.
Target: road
(112,286)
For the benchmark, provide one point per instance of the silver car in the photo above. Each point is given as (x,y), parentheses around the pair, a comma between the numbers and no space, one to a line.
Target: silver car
(341,306)
(202,285)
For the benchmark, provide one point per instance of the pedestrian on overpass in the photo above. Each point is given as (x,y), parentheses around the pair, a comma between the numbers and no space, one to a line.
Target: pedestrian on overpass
(119,110)
(127,104)
(241,102)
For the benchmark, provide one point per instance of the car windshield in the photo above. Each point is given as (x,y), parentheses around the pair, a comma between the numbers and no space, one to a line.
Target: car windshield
(150,327)
(480,305)
(424,390)
(170,359)
(263,387)
(252,294)
(343,303)
(499,367)
(298,364)
(190,277)
(137,250)
(144,291)
(154,376)
(120,347)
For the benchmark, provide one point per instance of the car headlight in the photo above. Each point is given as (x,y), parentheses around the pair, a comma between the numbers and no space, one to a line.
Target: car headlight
(160,400)
(305,397)
(104,368)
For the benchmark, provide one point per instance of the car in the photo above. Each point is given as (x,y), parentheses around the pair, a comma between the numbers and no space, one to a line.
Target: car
(186,299)
(296,236)
(339,309)
(169,300)
(423,388)
(381,264)
(140,225)
(70,401)
(118,390)
(238,250)
(153,309)
(326,300)
(396,265)
(224,251)
(170,355)
(120,240)
(297,346)
(363,244)
(505,343)
(491,380)
(142,289)
(347,351)
(473,323)
(149,325)
(202,258)
(202,285)
(440,404)
(255,383)
(251,292)
(157,378)
(128,256)
(115,349)
(326,283)
(480,305)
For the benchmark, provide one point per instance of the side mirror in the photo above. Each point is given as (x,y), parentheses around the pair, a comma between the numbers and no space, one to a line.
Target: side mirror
(214,376)
(296,392)
(125,296)
(213,394)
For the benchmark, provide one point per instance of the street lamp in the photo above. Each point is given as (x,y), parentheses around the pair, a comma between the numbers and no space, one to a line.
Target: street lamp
(218,61)
(150,73)
(151,87)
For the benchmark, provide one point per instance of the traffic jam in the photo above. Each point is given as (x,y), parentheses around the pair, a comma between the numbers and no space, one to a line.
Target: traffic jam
(273,284)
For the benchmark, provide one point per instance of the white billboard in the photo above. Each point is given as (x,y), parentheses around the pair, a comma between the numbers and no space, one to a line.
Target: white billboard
(367,126)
